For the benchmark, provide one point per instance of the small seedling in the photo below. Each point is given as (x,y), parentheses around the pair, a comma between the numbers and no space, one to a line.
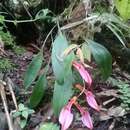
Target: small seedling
(23,112)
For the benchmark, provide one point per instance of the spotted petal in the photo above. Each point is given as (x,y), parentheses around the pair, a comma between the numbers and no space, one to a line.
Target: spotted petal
(65,118)
(91,100)
(86,119)
(84,73)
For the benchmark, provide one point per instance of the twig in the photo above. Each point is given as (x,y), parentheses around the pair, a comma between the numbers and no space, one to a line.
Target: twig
(9,83)
(25,21)
(112,125)
(17,120)
(3,97)
(1,50)
(20,21)
(109,101)
(74,24)
(35,46)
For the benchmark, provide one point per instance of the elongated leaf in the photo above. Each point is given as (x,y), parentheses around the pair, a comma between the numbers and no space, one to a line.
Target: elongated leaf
(59,46)
(33,70)
(38,91)
(80,55)
(102,57)
(61,95)
(123,6)
(115,29)
(49,126)
(63,92)
(86,52)
(67,71)
(113,18)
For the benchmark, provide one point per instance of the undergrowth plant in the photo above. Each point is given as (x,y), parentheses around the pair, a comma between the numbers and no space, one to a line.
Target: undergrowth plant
(49,126)
(123,7)
(5,64)
(124,92)
(18,50)
(5,35)
(64,62)
(7,39)
(68,58)
(23,113)
(72,63)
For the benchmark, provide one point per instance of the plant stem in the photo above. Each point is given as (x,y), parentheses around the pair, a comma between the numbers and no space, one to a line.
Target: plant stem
(47,37)
(74,24)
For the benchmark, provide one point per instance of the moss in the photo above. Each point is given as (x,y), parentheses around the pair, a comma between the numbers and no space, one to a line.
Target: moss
(7,39)
(5,64)
(18,50)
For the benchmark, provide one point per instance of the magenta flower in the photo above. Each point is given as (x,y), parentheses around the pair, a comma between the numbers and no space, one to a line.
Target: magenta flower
(66,117)
(84,73)
(91,100)
(86,119)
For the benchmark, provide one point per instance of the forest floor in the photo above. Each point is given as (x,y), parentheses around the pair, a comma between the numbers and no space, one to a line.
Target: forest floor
(114,114)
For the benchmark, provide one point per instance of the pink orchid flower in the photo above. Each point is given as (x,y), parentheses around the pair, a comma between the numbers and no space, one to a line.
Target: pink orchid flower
(91,100)
(84,73)
(86,119)
(66,117)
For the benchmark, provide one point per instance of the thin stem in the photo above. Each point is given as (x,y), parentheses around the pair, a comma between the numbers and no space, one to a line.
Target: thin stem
(20,21)
(29,14)
(74,24)
(8,12)
(82,89)
(25,21)
(47,37)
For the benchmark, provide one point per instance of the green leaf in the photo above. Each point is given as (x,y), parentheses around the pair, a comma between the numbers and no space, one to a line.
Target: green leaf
(63,73)
(67,67)
(2,18)
(16,114)
(63,92)
(43,14)
(38,91)
(49,126)
(86,52)
(102,57)
(117,32)
(23,123)
(30,111)
(113,18)
(33,70)
(61,95)
(21,107)
(25,114)
(123,6)
(59,46)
